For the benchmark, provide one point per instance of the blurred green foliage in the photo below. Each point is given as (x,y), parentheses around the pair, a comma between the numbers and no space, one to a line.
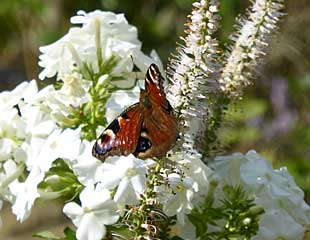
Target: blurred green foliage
(273,118)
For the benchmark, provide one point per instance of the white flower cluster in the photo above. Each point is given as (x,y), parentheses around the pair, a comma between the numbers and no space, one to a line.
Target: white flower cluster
(190,75)
(287,215)
(251,41)
(31,140)
(102,35)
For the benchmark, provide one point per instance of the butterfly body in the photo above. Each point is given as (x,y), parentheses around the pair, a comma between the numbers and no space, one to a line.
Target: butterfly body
(146,129)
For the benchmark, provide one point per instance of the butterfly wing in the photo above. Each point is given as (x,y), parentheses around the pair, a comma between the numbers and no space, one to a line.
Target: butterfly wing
(159,133)
(121,136)
(154,89)
(146,129)
(159,127)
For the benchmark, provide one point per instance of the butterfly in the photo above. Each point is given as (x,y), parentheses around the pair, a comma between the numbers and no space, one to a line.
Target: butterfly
(146,129)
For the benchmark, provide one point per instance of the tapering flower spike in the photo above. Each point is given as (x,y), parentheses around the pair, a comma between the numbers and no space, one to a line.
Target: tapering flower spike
(250,43)
(192,68)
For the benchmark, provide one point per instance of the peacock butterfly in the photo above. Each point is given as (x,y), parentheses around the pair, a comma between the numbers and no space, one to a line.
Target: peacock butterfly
(146,129)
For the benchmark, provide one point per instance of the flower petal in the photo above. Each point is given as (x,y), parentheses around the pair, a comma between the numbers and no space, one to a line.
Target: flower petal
(91,228)
(73,211)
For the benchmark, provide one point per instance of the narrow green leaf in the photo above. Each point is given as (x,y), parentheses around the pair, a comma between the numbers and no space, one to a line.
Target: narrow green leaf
(46,235)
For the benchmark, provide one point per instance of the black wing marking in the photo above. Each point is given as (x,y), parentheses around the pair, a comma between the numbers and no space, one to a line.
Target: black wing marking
(121,136)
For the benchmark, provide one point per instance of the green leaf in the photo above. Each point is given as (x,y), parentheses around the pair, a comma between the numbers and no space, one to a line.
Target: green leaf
(232,209)
(67,184)
(46,235)
(69,234)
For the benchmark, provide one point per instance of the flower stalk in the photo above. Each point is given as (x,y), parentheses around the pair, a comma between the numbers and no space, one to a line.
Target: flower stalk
(205,81)
(250,43)
(98,42)
(192,71)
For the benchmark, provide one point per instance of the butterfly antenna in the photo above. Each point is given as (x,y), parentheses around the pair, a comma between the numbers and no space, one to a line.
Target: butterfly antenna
(135,69)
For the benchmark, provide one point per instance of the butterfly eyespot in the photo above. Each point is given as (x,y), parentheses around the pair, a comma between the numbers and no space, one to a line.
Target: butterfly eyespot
(102,150)
(143,145)
(103,145)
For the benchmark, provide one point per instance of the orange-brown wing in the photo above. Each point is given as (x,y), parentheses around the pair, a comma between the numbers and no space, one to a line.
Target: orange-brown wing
(159,133)
(154,87)
(159,128)
(121,136)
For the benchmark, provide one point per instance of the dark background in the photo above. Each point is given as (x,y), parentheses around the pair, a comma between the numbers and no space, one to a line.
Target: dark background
(273,118)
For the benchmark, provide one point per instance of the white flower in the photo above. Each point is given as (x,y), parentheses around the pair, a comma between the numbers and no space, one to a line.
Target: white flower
(105,30)
(143,61)
(7,146)
(56,105)
(277,224)
(59,144)
(37,122)
(85,166)
(259,175)
(184,187)
(25,91)
(186,231)
(228,167)
(177,196)
(96,210)
(25,194)
(274,190)
(193,167)
(8,175)
(73,93)
(125,173)
(61,55)
(11,125)
(75,86)
(119,101)
(117,36)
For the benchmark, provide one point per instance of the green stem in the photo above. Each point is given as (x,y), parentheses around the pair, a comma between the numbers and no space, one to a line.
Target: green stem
(214,122)
(93,113)
(98,43)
